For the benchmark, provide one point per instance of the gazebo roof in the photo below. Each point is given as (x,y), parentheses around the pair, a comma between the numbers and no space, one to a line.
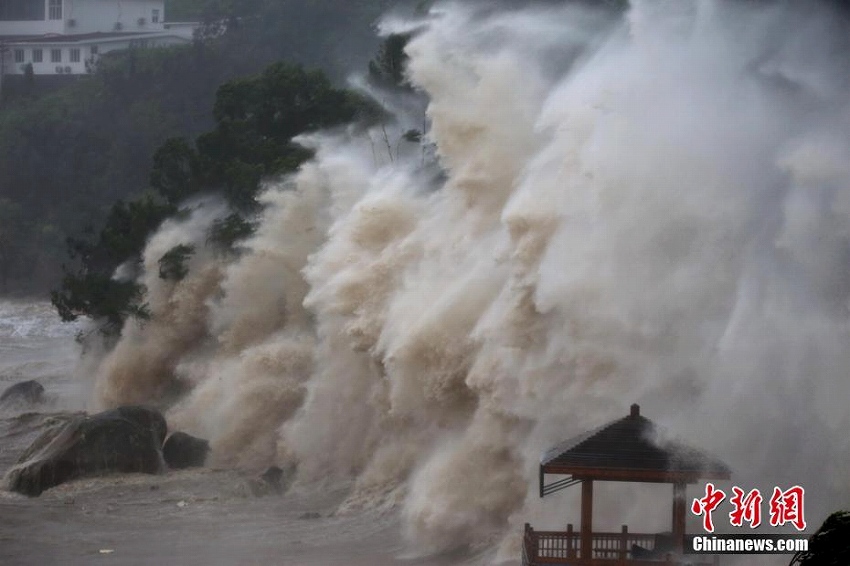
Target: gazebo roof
(626,450)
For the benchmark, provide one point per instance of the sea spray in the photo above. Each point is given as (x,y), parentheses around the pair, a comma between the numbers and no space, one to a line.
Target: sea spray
(253,377)
(142,365)
(650,207)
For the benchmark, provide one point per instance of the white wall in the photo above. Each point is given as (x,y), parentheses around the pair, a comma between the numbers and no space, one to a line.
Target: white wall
(48,67)
(90,16)
(32,28)
(102,15)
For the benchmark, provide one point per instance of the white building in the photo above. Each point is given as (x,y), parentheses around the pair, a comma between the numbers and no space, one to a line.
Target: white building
(67,36)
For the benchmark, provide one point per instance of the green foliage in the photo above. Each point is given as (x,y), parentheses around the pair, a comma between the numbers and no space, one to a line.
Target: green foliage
(388,68)
(257,118)
(63,154)
(100,297)
(91,290)
(172,264)
(412,136)
(227,232)
(123,235)
(196,10)
(176,170)
(10,225)
(66,154)
(126,129)
(29,79)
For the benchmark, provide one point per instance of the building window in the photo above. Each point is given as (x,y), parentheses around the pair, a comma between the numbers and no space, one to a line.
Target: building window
(54,9)
(22,10)
(19,55)
(154,16)
(37,56)
(55,55)
(75,55)
(93,50)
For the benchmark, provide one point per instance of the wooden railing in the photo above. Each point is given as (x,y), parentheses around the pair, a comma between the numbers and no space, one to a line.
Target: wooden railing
(563,548)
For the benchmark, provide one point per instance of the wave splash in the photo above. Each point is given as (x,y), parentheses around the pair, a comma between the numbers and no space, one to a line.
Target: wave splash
(648,208)
(27,319)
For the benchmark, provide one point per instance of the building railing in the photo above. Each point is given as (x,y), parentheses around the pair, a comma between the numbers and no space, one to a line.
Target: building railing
(563,548)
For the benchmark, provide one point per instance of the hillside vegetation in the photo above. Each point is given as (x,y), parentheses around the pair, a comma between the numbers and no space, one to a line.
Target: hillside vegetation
(67,156)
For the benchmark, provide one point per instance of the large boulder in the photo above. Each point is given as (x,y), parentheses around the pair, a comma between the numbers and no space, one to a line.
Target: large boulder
(148,418)
(126,440)
(23,392)
(830,545)
(183,450)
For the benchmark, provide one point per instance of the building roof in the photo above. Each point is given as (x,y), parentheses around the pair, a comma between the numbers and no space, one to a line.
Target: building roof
(93,37)
(626,450)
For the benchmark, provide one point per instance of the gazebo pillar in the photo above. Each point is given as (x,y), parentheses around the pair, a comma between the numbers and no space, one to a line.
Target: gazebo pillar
(678,515)
(586,519)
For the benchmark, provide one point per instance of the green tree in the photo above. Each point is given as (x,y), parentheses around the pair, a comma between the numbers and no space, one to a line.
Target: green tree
(92,289)
(389,66)
(176,170)
(256,119)
(172,264)
(10,243)
(66,154)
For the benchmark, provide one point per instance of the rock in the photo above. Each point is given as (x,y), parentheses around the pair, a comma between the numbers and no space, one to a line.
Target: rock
(125,440)
(183,450)
(29,392)
(273,480)
(146,417)
(272,476)
(828,545)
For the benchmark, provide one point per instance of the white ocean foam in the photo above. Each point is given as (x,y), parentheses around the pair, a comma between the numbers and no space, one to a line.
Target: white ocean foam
(22,319)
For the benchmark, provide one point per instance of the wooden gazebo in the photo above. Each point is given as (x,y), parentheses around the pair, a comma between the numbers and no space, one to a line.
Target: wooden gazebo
(624,450)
